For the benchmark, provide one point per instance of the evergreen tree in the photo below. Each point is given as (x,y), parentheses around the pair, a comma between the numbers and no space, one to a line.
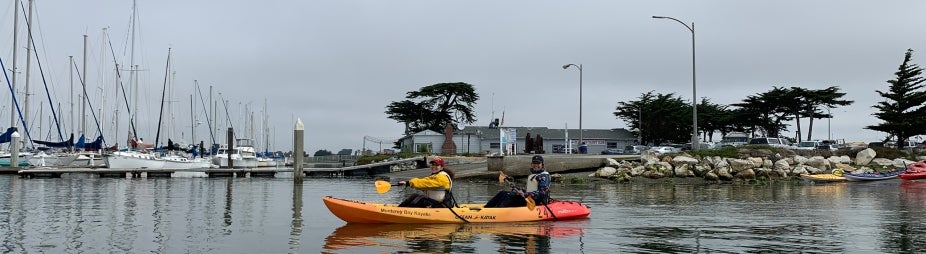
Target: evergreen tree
(431,107)
(902,110)
(661,118)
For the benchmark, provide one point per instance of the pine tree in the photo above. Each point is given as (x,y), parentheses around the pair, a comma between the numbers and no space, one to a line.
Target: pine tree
(903,110)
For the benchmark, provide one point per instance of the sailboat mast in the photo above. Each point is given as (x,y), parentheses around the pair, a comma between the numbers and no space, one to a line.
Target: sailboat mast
(192,122)
(71,94)
(134,67)
(266,127)
(211,116)
(83,104)
(116,113)
(13,67)
(28,62)
(208,119)
(157,136)
(102,84)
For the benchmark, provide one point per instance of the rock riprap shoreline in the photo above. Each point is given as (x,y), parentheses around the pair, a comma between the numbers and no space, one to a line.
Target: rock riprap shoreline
(771,166)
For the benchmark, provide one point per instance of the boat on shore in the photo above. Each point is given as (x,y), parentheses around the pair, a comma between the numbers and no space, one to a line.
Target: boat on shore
(823,178)
(913,175)
(354,211)
(914,171)
(877,176)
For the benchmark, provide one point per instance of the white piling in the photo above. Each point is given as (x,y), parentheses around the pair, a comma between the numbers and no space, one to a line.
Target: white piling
(298,143)
(14,150)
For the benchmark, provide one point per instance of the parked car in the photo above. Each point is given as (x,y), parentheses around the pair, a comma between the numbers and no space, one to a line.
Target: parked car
(612,151)
(773,142)
(562,149)
(909,144)
(663,149)
(635,149)
(827,147)
(809,145)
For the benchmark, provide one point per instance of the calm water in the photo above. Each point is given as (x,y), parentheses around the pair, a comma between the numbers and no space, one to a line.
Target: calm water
(83,214)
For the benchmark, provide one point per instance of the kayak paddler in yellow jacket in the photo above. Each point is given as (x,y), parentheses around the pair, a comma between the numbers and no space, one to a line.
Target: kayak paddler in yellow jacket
(435,187)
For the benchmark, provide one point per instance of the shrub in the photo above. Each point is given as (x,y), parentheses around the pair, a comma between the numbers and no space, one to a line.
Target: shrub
(726,152)
(889,153)
(367,159)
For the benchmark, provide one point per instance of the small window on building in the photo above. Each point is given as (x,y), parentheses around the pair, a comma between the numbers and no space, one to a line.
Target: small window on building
(494,145)
(612,144)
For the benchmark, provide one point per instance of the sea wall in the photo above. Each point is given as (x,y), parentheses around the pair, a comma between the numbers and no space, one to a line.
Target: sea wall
(716,168)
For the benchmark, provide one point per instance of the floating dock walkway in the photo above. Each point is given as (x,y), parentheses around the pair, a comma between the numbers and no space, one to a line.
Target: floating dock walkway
(360,170)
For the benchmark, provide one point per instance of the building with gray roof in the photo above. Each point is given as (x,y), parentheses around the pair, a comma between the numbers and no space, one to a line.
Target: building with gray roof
(487,140)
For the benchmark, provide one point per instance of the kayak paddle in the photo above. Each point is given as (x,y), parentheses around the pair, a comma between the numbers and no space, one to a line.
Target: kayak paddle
(530,203)
(383,186)
(503,178)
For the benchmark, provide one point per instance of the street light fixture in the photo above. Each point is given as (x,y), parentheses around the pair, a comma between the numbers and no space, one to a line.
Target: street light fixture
(580,98)
(694,87)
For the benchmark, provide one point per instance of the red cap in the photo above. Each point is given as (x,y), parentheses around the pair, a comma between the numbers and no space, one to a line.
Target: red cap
(438,161)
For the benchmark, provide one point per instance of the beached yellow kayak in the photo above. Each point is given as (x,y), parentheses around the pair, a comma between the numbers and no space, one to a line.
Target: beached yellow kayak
(823,178)
(363,212)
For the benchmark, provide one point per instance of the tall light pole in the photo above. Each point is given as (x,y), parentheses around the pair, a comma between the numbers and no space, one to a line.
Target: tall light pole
(829,133)
(580,98)
(694,87)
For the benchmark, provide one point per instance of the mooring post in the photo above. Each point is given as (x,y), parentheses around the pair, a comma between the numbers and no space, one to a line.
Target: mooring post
(14,150)
(231,145)
(298,143)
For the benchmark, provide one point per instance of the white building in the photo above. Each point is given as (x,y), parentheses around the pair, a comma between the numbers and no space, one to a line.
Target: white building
(485,140)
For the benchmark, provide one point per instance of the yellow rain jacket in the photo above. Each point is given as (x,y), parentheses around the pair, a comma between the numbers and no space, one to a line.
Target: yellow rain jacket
(434,186)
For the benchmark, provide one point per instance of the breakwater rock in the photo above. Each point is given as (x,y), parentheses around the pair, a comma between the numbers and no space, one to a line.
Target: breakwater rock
(768,165)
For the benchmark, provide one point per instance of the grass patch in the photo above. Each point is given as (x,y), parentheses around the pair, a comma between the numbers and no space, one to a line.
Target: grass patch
(725,152)
(367,159)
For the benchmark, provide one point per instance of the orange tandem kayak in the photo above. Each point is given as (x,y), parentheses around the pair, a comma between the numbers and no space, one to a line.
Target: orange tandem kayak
(362,212)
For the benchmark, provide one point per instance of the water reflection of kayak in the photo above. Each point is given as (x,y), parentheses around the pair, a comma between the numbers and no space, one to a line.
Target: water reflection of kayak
(363,212)
(357,235)
(913,191)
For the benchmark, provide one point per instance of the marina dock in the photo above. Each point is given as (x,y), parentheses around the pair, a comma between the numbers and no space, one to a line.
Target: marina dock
(466,168)
(359,170)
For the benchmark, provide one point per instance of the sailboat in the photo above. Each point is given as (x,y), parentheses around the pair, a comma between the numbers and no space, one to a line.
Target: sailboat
(55,157)
(143,158)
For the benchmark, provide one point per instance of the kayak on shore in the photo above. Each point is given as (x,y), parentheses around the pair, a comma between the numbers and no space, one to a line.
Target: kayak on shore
(823,178)
(354,211)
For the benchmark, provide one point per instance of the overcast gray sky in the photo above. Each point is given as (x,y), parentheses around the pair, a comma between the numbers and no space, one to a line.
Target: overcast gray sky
(337,64)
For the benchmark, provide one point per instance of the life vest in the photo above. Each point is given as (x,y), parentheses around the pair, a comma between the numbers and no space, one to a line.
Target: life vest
(532,181)
(439,193)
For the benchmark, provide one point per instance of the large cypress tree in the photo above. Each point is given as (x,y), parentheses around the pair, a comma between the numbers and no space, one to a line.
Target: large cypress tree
(903,110)
(431,107)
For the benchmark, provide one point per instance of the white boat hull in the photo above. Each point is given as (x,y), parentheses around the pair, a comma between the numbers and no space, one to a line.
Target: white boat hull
(222,162)
(52,160)
(133,160)
(152,161)
(268,162)
(178,162)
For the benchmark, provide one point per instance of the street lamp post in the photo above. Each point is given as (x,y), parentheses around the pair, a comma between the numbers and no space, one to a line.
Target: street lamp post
(580,98)
(829,133)
(694,87)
